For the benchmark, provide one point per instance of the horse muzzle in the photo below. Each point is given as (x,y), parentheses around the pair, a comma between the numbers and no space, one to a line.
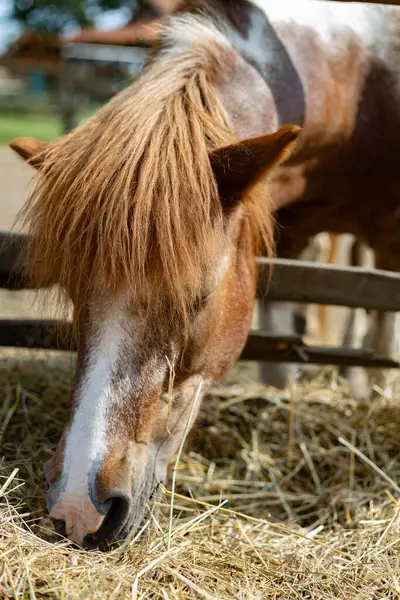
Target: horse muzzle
(99,516)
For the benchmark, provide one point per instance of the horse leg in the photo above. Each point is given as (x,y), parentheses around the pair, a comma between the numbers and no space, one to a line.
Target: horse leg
(357,336)
(361,329)
(279,318)
(384,343)
(276,318)
(332,318)
(287,319)
(312,318)
(323,322)
(382,336)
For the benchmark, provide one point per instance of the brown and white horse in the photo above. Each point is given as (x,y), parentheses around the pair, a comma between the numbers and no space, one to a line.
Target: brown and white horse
(326,66)
(149,216)
(344,179)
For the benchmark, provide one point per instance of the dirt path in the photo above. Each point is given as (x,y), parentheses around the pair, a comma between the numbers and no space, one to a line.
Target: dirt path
(15,178)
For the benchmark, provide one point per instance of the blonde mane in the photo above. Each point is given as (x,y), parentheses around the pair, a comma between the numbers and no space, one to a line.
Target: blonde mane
(128,200)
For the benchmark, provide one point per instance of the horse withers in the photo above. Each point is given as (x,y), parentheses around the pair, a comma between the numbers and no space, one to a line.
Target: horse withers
(149,216)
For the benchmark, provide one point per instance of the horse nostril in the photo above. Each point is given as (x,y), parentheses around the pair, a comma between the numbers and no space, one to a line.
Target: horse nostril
(60,527)
(114,521)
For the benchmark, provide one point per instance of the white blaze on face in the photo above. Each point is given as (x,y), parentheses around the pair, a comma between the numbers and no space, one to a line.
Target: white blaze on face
(86,443)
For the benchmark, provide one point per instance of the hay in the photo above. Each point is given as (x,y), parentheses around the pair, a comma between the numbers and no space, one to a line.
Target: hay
(268,504)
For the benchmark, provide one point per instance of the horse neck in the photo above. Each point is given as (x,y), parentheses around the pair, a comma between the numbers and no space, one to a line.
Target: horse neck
(313,57)
(332,47)
(243,90)
(247,100)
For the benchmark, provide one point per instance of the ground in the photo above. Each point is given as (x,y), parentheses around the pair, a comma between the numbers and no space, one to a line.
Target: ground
(279,495)
(287,495)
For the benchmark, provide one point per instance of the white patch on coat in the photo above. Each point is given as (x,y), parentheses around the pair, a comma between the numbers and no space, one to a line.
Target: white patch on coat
(86,443)
(326,18)
(249,114)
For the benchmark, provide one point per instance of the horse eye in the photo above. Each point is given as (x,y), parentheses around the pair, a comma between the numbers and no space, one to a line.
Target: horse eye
(200,303)
(205,298)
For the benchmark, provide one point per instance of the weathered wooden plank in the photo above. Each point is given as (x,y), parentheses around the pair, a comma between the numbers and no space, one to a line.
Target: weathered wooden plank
(39,334)
(261,347)
(292,280)
(105,53)
(317,283)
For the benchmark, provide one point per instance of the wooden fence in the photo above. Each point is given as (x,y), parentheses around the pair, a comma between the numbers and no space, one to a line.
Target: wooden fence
(292,281)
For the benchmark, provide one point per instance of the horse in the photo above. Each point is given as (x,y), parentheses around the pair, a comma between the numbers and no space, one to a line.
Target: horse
(356,328)
(349,185)
(150,214)
(345,56)
(342,164)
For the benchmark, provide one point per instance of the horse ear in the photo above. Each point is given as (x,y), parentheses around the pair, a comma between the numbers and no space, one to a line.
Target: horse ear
(31,150)
(239,166)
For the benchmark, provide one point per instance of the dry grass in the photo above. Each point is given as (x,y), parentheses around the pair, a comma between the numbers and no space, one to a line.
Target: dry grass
(269,503)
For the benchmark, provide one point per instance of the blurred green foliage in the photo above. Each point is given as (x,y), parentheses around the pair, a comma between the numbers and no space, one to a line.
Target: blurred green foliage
(45,126)
(55,16)
(13,125)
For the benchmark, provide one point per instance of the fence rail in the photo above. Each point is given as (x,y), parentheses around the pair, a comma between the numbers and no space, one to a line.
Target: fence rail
(317,283)
(291,281)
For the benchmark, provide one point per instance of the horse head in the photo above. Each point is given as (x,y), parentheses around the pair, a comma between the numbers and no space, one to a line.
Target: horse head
(149,216)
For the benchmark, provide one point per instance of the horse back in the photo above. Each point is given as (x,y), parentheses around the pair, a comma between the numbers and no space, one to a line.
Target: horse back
(344,176)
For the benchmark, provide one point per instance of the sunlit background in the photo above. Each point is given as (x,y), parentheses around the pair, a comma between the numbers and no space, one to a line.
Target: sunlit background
(10,29)
(44,91)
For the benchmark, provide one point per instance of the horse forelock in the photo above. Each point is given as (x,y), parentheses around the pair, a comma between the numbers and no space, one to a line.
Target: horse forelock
(128,200)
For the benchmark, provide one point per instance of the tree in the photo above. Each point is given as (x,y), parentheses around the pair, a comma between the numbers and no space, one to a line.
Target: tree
(56,16)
